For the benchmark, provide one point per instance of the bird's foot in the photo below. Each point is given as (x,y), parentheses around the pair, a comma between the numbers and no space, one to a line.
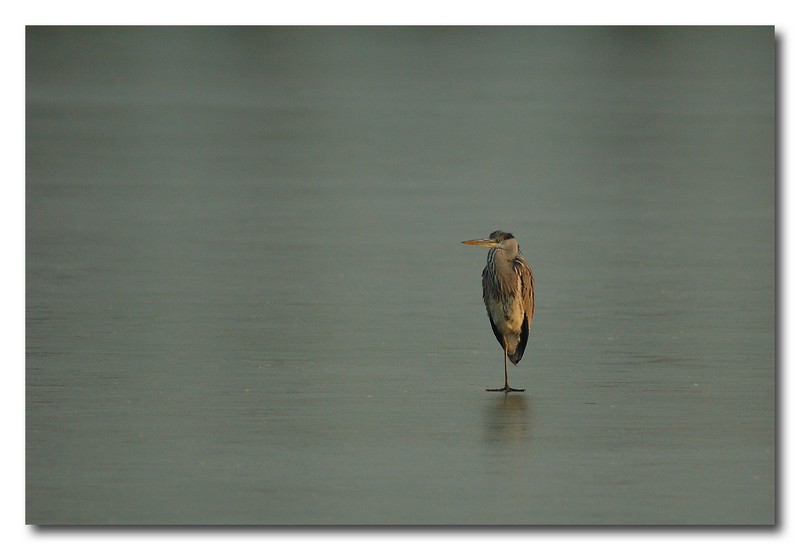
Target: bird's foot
(506,389)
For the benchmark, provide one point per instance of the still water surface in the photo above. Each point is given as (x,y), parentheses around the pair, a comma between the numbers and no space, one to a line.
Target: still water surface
(247,301)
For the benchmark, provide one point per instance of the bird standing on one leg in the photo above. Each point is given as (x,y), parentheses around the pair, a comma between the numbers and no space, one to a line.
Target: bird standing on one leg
(508,295)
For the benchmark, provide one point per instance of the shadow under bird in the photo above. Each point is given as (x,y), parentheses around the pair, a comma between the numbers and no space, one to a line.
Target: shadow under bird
(508,296)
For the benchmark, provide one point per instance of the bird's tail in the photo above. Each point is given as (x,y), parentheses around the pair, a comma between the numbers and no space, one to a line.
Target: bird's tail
(516,354)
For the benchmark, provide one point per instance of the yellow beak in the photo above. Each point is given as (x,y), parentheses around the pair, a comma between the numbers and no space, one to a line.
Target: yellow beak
(488,243)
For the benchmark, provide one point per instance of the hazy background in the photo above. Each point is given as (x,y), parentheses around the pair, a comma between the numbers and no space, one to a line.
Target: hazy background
(247,301)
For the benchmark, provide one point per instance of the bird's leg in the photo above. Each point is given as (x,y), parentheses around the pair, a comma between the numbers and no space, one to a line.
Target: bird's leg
(505,388)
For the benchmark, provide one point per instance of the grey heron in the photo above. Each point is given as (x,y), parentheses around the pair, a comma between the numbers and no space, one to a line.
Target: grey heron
(508,296)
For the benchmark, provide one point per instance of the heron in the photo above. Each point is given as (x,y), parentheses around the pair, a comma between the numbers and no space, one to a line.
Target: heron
(508,296)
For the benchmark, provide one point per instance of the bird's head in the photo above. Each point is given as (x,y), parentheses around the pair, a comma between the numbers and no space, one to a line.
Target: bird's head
(497,239)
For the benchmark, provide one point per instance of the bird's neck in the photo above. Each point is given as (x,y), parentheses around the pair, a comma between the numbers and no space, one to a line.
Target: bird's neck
(501,257)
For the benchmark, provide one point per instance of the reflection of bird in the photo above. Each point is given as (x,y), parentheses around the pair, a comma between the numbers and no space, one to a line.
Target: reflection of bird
(508,295)
(509,421)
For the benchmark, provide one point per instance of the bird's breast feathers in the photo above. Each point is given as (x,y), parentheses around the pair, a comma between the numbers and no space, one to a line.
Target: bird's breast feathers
(507,314)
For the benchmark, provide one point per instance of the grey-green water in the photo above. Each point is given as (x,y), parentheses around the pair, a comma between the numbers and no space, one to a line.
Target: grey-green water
(247,301)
